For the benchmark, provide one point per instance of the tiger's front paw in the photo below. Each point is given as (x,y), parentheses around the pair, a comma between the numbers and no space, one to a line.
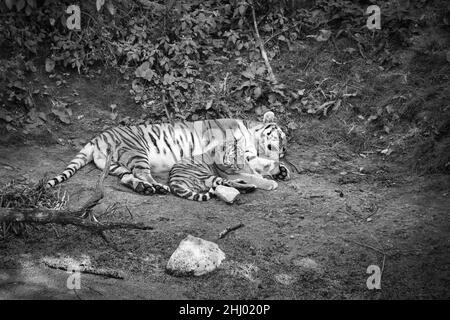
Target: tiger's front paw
(161,189)
(144,188)
(284,173)
(147,188)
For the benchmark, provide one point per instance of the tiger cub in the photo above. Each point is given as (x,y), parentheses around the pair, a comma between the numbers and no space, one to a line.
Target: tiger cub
(196,179)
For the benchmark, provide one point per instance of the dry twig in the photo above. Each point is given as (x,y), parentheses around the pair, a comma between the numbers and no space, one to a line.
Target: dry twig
(63,264)
(261,48)
(366,246)
(230,229)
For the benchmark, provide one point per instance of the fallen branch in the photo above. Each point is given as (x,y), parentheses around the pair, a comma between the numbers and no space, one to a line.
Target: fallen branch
(229,229)
(81,217)
(67,265)
(272,77)
(64,217)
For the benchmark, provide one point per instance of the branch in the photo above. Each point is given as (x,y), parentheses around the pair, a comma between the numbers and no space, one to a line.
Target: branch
(63,217)
(80,218)
(65,264)
(230,229)
(100,189)
(261,48)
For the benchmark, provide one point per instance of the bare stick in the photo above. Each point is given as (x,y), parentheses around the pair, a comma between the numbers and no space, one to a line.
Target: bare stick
(100,189)
(131,215)
(63,217)
(261,48)
(229,229)
(64,264)
(366,246)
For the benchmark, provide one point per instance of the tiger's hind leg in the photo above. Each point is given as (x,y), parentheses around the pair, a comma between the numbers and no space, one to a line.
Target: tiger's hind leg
(243,187)
(128,179)
(239,184)
(256,180)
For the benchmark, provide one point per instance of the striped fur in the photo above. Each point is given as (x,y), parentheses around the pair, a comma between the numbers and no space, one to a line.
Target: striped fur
(139,151)
(196,179)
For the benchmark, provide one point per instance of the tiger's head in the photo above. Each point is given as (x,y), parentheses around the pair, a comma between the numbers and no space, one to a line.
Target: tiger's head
(270,139)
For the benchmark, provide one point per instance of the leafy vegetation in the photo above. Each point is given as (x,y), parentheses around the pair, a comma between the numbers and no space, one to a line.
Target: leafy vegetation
(198,59)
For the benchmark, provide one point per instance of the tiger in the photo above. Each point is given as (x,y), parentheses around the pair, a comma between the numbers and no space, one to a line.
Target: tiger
(137,151)
(196,179)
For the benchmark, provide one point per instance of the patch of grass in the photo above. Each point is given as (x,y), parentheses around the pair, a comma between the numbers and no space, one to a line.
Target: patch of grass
(21,195)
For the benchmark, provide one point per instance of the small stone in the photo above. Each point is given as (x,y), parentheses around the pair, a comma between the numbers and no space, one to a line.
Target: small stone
(195,256)
(285,279)
(226,194)
(369,219)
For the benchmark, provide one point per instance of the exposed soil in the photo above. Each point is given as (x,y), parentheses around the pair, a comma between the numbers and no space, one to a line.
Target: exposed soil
(348,206)
(314,237)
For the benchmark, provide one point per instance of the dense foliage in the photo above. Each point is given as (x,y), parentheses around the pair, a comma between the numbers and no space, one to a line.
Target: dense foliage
(194,59)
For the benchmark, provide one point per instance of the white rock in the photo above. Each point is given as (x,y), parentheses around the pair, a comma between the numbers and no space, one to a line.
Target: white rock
(195,256)
(226,194)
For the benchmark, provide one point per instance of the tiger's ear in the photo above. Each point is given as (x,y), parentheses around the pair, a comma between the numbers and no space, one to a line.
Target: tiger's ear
(269,116)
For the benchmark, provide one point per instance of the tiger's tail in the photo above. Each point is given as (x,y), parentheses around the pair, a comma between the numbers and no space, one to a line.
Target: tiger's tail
(183,192)
(81,159)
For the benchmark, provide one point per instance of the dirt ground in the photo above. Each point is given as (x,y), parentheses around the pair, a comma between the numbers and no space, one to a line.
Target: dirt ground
(312,238)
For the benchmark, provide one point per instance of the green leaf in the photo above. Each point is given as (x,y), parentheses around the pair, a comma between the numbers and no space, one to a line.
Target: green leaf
(31,3)
(248,74)
(99,4)
(20,4)
(62,115)
(111,8)
(49,65)
(242,9)
(144,71)
(9,3)
(168,79)
(5,117)
(257,92)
